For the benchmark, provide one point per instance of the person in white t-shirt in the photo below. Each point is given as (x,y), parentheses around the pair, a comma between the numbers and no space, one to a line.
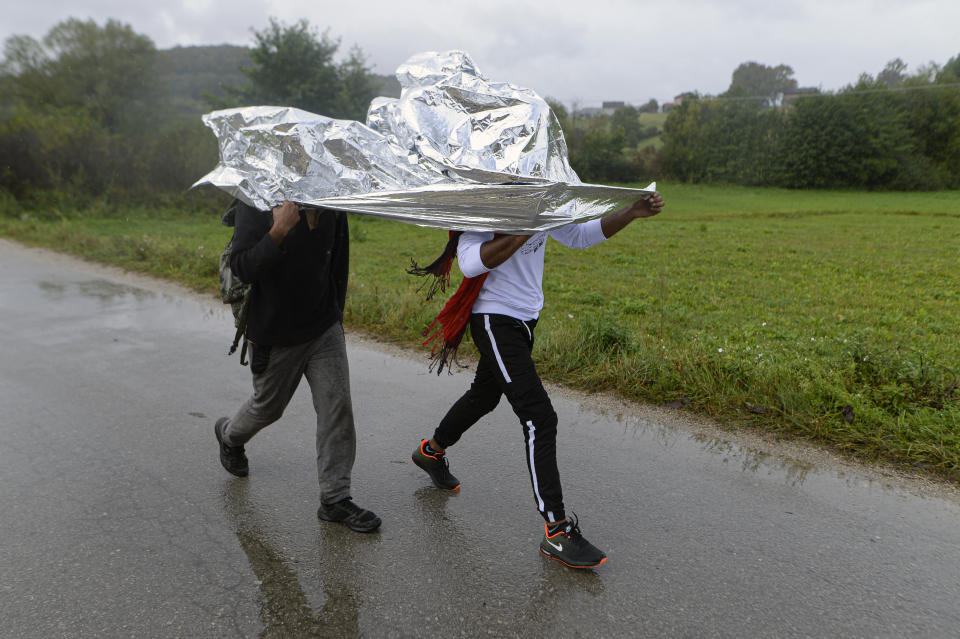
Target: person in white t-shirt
(504,294)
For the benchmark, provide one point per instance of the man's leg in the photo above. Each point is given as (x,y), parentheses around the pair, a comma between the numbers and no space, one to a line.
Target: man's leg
(328,374)
(276,374)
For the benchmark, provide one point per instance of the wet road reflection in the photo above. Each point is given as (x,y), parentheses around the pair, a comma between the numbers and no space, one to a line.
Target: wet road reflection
(444,569)
(794,472)
(284,609)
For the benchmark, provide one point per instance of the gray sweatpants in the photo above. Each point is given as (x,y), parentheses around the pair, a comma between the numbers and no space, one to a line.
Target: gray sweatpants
(323,362)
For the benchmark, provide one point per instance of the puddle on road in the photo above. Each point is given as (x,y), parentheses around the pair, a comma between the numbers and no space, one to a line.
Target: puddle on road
(104,291)
(128,306)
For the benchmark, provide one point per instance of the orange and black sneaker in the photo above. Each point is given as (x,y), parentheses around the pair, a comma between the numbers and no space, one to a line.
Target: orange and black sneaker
(564,543)
(436,465)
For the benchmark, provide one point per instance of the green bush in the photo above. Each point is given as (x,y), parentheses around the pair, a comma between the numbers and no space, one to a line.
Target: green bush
(896,140)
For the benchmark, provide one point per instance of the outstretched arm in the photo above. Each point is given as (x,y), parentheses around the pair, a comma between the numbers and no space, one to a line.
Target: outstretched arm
(613,223)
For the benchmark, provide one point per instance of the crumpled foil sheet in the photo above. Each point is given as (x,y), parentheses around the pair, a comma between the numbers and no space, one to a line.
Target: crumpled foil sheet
(456,151)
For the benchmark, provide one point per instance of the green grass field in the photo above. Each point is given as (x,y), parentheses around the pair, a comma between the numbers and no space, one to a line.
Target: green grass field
(652,119)
(828,315)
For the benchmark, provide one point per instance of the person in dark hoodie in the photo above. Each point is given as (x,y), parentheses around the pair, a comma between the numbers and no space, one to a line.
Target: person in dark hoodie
(296,261)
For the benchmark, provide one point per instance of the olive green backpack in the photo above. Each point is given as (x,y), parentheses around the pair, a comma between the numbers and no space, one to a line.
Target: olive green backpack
(233,290)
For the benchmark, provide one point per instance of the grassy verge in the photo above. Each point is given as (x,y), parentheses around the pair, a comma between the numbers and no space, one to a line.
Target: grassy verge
(826,315)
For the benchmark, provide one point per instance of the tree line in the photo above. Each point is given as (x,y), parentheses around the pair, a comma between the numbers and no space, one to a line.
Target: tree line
(87,110)
(893,131)
(90,110)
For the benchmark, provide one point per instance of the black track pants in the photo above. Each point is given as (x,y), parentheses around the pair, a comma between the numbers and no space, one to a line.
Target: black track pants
(506,368)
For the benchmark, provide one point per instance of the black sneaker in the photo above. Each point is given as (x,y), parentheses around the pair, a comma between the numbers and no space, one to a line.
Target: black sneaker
(437,467)
(348,513)
(568,546)
(233,458)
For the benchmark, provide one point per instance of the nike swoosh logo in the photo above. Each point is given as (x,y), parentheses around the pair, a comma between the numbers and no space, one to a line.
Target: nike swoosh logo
(559,547)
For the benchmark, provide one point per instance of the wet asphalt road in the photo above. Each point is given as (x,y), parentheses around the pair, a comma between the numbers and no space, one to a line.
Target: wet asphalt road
(116,519)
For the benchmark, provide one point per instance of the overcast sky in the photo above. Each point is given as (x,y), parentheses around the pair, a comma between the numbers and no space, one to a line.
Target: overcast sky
(582,51)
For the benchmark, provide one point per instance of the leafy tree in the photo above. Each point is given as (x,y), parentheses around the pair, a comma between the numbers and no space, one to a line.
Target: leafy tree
(599,156)
(738,92)
(650,107)
(864,137)
(893,74)
(858,140)
(573,132)
(357,86)
(625,119)
(924,75)
(75,104)
(291,65)
(950,72)
(106,70)
(295,66)
(932,118)
(755,79)
(721,141)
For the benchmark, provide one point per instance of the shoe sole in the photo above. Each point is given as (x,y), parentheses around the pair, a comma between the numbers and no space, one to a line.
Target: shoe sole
(555,558)
(413,458)
(235,473)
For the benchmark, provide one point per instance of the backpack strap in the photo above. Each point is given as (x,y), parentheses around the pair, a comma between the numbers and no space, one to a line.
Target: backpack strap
(241,330)
(243,347)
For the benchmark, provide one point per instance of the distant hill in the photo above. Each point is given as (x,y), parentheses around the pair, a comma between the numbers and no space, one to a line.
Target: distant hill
(190,73)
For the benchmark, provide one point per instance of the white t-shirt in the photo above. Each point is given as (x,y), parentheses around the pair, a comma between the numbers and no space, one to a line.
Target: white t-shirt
(515,288)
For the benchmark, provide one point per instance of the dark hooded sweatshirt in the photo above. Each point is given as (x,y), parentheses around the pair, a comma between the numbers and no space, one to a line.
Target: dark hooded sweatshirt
(299,288)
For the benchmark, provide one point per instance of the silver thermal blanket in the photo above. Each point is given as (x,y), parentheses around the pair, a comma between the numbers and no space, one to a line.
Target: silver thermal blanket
(456,151)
